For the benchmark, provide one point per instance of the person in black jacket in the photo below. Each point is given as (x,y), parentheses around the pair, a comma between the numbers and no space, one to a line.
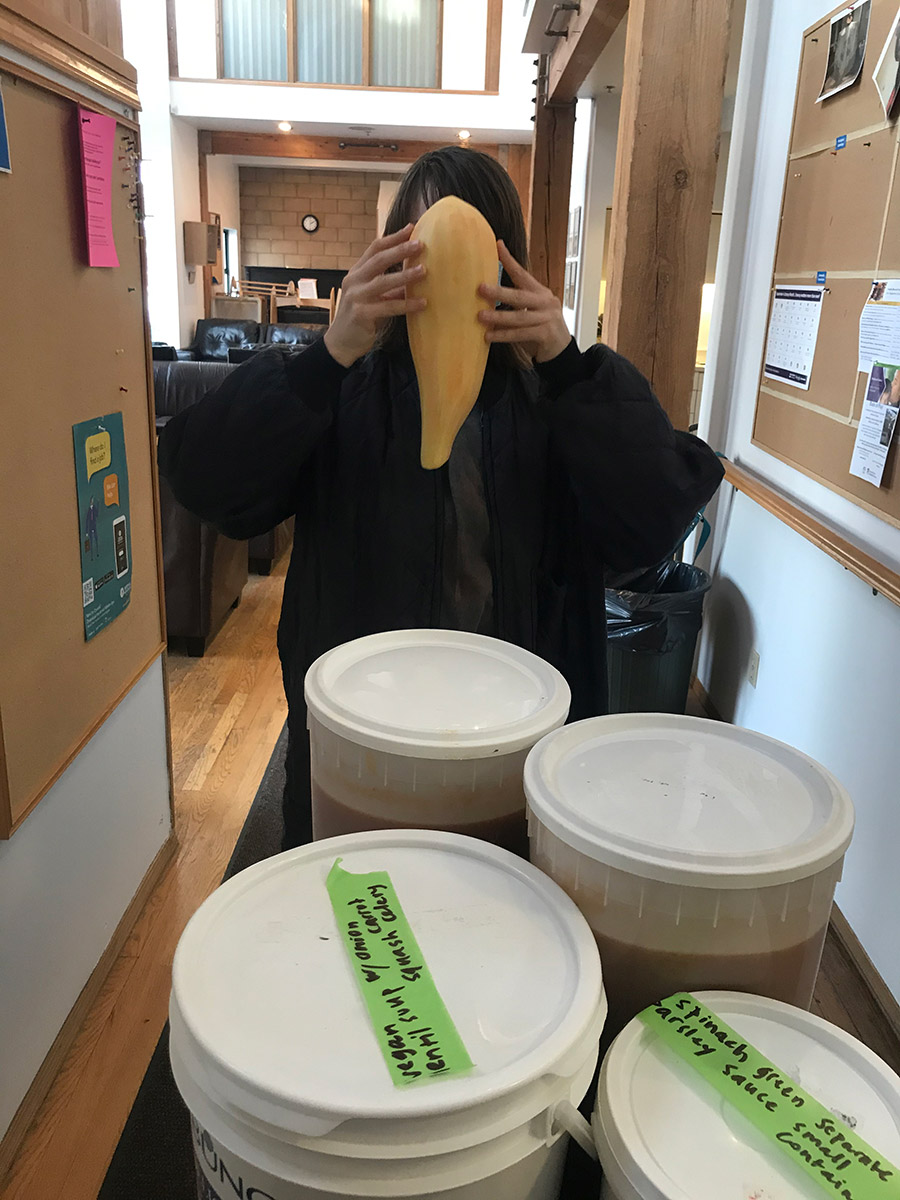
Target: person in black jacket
(566,466)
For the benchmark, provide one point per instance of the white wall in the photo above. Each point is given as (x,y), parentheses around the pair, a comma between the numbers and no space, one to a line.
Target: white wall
(146,46)
(387,192)
(829,650)
(195,27)
(170,175)
(224,191)
(600,174)
(186,184)
(464,45)
(203,98)
(68,874)
(578,194)
(829,654)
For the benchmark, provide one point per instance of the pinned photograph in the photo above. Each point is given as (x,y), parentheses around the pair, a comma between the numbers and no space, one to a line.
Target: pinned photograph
(885,391)
(846,48)
(877,423)
(887,73)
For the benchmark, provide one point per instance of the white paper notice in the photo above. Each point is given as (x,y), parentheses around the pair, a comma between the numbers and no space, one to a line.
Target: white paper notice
(879,325)
(877,423)
(793,330)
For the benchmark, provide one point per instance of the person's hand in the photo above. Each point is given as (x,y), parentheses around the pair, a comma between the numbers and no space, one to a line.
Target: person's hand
(370,292)
(536,320)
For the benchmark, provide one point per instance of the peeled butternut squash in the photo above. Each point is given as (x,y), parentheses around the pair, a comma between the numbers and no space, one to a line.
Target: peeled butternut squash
(446,338)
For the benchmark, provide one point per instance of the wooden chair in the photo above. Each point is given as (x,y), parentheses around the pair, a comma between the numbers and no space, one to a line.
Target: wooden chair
(269,293)
(334,303)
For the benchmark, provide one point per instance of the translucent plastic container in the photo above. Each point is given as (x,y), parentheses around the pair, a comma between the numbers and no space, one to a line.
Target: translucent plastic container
(274,1054)
(427,729)
(663,1134)
(702,856)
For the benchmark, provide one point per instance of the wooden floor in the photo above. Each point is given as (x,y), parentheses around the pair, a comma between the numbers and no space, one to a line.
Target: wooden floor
(227,711)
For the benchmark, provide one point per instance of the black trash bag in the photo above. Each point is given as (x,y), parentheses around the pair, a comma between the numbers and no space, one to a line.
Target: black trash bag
(660,608)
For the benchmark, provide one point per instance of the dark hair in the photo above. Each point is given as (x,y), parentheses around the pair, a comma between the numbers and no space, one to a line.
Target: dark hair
(480,181)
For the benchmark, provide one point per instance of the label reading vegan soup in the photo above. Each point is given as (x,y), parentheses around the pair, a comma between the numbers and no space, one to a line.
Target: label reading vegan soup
(414,1030)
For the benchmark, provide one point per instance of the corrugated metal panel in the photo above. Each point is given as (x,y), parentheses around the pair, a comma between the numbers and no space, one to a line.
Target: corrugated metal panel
(329,41)
(404,43)
(254,39)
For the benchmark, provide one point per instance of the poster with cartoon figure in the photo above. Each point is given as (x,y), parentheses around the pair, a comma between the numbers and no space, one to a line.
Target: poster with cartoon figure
(104,522)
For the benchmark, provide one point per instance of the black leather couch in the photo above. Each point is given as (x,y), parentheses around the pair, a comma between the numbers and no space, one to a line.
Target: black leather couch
(265,549)
(293,333)
(215,336)
(204,572)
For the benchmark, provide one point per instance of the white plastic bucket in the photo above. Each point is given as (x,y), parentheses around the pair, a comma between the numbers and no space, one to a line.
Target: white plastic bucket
(275,1057)
(428,729)
(664,1134)
(702,855)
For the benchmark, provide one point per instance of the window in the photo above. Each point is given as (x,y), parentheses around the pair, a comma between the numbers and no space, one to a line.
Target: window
(329,36)
(254,39)
(381,43)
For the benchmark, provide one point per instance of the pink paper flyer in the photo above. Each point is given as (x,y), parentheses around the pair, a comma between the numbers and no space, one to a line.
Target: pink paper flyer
(97,135)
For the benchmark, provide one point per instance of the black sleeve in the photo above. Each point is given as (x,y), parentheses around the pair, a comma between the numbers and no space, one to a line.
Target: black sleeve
(558,374)
(235,458)
(639,483)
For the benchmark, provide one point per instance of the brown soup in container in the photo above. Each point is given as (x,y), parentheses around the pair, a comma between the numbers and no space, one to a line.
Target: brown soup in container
(428,729)
(702,855)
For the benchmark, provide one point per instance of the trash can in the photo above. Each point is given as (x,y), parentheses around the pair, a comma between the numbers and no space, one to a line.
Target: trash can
(652,628)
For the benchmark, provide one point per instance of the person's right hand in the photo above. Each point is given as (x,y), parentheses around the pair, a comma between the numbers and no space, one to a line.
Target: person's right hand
(370,293)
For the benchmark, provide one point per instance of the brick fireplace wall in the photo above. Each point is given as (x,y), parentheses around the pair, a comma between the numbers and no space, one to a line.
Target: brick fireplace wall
(274,200)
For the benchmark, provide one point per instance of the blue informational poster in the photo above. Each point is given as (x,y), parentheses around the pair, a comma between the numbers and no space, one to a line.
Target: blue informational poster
(5,164)
(104,520)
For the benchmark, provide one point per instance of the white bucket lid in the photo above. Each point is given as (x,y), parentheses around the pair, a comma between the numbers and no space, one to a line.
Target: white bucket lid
(269,1019)
(430,693)
(673,1137)
(689,801)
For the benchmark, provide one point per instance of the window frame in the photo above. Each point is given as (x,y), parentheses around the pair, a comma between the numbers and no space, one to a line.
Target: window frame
(492,55)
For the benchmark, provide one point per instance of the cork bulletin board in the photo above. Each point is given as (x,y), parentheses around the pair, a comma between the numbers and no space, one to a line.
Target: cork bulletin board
(840,215)
(74,349)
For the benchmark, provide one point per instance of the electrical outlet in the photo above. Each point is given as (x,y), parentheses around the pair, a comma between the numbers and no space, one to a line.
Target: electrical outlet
(753,668)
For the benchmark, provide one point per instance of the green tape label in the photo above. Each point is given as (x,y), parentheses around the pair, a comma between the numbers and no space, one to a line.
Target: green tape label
(414,1030)
(808,1133)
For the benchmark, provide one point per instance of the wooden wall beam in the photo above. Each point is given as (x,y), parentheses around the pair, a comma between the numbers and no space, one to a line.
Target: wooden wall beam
(675,59)
(299,145)
(492,46)
(551,175)
(518,164)
(574,55)
(172,38)
(40,33)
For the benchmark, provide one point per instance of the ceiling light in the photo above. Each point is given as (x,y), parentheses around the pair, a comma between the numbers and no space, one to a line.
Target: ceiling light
(285,126)
(464,135)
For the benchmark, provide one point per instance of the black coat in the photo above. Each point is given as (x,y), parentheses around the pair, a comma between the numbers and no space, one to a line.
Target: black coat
(582,470)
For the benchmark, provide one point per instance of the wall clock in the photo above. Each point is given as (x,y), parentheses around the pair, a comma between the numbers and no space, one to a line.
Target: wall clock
(310,223)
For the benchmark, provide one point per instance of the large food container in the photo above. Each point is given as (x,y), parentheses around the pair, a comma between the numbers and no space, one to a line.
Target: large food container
(427,729)
(665,1134)
(702,855)
(274,1054)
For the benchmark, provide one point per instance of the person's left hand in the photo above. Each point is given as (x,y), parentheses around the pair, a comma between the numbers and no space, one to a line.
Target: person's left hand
(536,320)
